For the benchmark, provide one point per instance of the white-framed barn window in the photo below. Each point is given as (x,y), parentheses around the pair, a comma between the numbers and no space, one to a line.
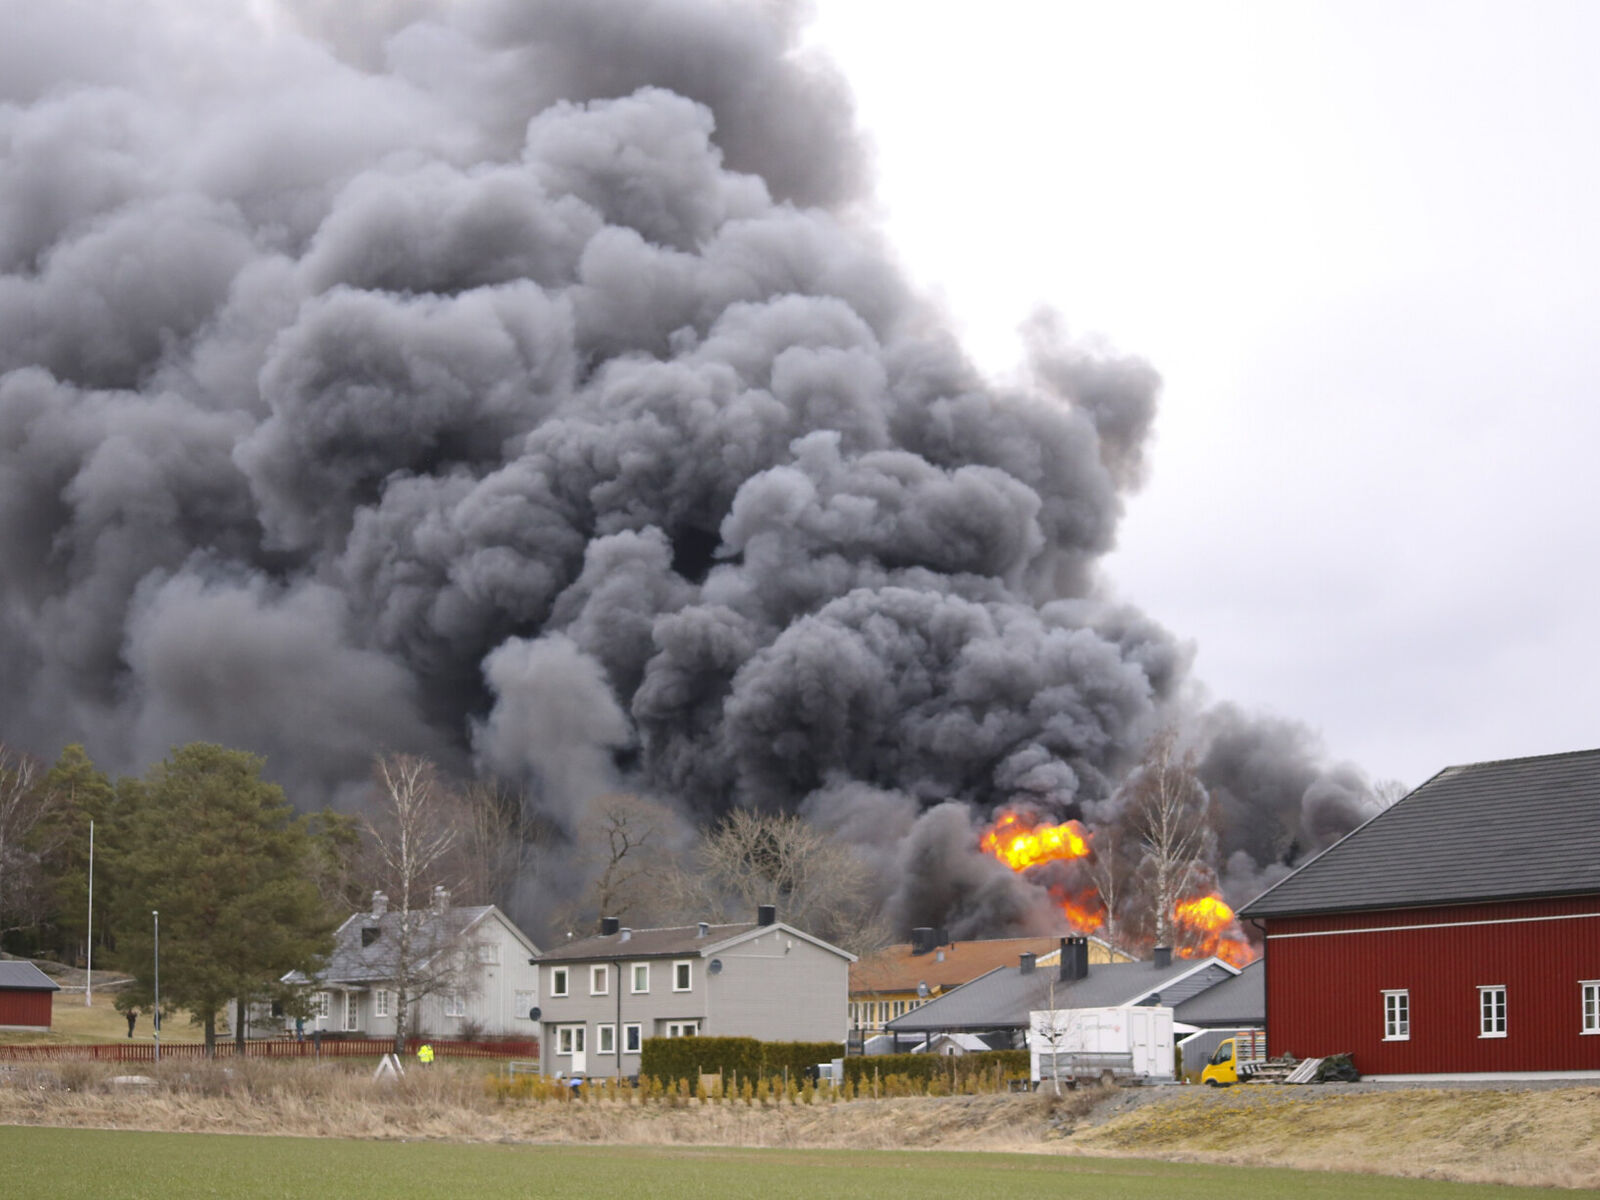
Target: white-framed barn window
(1590,990)
(1397,1015)
(558,981)
(682,976)
(1492,1011)
(599,980)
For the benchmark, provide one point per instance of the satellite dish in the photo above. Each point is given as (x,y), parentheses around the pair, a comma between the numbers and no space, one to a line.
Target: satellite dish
(533,1013)
(715,966)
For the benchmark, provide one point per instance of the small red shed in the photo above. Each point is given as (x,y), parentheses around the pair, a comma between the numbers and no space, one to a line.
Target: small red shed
(1454,934)
(25,996)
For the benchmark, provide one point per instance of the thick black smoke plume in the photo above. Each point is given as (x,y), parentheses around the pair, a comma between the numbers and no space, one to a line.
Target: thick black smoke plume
(515,383)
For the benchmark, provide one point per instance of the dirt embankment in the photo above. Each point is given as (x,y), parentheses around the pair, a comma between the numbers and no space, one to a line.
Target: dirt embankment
(1536,1136)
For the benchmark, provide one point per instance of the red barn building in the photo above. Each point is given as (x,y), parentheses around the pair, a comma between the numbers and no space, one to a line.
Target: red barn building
(25,996)
(1455,934)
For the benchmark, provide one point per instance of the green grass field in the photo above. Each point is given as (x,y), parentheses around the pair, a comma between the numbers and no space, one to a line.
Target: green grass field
(175,1166)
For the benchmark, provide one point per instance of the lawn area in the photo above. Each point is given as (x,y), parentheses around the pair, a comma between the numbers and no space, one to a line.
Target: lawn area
(174,1166)
(73,1023)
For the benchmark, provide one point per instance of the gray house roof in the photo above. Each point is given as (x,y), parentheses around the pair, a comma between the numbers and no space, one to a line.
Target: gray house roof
(1514,829)
(679,941)
(364,946)
(25,977)
(1240,1001)
(1004,997)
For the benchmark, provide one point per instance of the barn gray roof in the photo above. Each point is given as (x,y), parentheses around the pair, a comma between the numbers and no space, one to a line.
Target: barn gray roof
(1241,1000)
(1005,996)
(1514,829)
(24,976)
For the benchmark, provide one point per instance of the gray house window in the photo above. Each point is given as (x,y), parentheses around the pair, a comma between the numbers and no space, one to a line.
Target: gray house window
(631,1038)
(558,981)
(641,978)
(682,976)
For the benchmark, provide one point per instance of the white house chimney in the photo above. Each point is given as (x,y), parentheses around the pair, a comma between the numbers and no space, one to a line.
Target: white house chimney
(441,898)
(380,905)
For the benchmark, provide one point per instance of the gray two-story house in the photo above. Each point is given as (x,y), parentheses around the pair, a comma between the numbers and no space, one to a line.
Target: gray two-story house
(601,996)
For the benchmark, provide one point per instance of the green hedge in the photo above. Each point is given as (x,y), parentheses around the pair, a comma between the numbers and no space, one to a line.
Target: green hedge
(669,1059)
(959,1067)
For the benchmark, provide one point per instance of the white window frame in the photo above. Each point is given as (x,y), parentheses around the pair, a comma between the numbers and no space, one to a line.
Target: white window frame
(605,1039)
(1589,1005)
(1397,1015)
(600,980)
(677,1029)
(455,1004)
(352,1011)
(320,1005)
(489,954)
(568,1039)
(632,1038)
(380,1002)
(558,981)
(683,968)
(521,1002)
(1492,1010)
(640,970)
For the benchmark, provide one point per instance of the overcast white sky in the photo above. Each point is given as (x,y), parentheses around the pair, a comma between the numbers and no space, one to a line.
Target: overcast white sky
(1359,242)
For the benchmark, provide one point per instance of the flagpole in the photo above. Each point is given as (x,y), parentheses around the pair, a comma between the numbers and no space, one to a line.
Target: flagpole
(88,979)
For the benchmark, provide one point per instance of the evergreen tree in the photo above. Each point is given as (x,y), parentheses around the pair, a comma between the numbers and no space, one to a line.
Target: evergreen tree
(219,853)
(81,793)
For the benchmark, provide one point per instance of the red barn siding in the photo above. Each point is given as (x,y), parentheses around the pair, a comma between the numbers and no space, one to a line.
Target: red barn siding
(19,1007)
(1325,993)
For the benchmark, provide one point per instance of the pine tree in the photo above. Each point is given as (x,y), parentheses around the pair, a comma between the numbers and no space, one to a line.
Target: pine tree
(219,853)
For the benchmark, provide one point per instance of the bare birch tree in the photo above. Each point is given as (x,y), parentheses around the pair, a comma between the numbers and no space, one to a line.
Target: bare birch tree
(413,833)
(25,805)
(1168,814)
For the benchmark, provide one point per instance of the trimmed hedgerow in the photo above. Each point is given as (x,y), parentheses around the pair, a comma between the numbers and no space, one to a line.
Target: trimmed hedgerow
(671,1059)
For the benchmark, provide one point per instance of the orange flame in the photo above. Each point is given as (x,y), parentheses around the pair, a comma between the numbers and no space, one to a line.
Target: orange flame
(1020,845)
(1208,928)
(1206,925)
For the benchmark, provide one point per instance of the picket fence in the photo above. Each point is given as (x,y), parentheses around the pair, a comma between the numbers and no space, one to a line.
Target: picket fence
(143,1051)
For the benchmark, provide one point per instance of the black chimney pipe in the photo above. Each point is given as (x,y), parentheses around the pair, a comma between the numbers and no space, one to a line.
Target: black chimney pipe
(766,914)
(1026,966)
(1162,956)
(1074,959)
(922,939)
(609,925)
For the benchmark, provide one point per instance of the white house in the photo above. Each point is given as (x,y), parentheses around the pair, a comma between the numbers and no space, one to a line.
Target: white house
(473,967)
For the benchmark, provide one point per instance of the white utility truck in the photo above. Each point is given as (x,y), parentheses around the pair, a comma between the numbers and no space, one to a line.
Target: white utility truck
(1131,1044)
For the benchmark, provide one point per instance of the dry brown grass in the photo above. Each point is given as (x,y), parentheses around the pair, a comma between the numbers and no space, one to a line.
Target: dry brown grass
(1541,1137)
(74,1023)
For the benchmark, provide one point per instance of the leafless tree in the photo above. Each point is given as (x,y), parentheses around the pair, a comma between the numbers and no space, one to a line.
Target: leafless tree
(495,850)
(816,883)
(1113,869)
(1387,792)
(416,825)
(1168,815)
(25,806)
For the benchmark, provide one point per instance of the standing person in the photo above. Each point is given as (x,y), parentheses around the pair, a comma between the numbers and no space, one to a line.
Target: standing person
(425,1054)
(132,1015)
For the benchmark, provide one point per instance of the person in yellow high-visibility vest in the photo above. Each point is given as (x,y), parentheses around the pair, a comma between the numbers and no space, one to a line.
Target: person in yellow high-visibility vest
(425,1054)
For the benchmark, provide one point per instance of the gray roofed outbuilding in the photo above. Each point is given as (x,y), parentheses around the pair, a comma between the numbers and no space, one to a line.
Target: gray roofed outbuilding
(1004,997)
(1514,829)
(1233,1003)
(23,976)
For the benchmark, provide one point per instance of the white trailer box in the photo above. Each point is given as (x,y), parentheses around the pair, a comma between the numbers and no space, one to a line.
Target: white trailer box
(1132,1044)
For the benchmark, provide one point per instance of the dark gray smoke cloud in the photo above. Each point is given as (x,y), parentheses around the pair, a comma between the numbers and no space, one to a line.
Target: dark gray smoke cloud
(515,383)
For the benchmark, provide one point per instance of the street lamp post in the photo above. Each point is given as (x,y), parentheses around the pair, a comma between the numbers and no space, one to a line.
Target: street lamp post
(88,977)
(157,918)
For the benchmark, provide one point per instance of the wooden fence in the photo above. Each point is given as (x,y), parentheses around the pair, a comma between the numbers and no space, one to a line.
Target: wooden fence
(143,1051)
